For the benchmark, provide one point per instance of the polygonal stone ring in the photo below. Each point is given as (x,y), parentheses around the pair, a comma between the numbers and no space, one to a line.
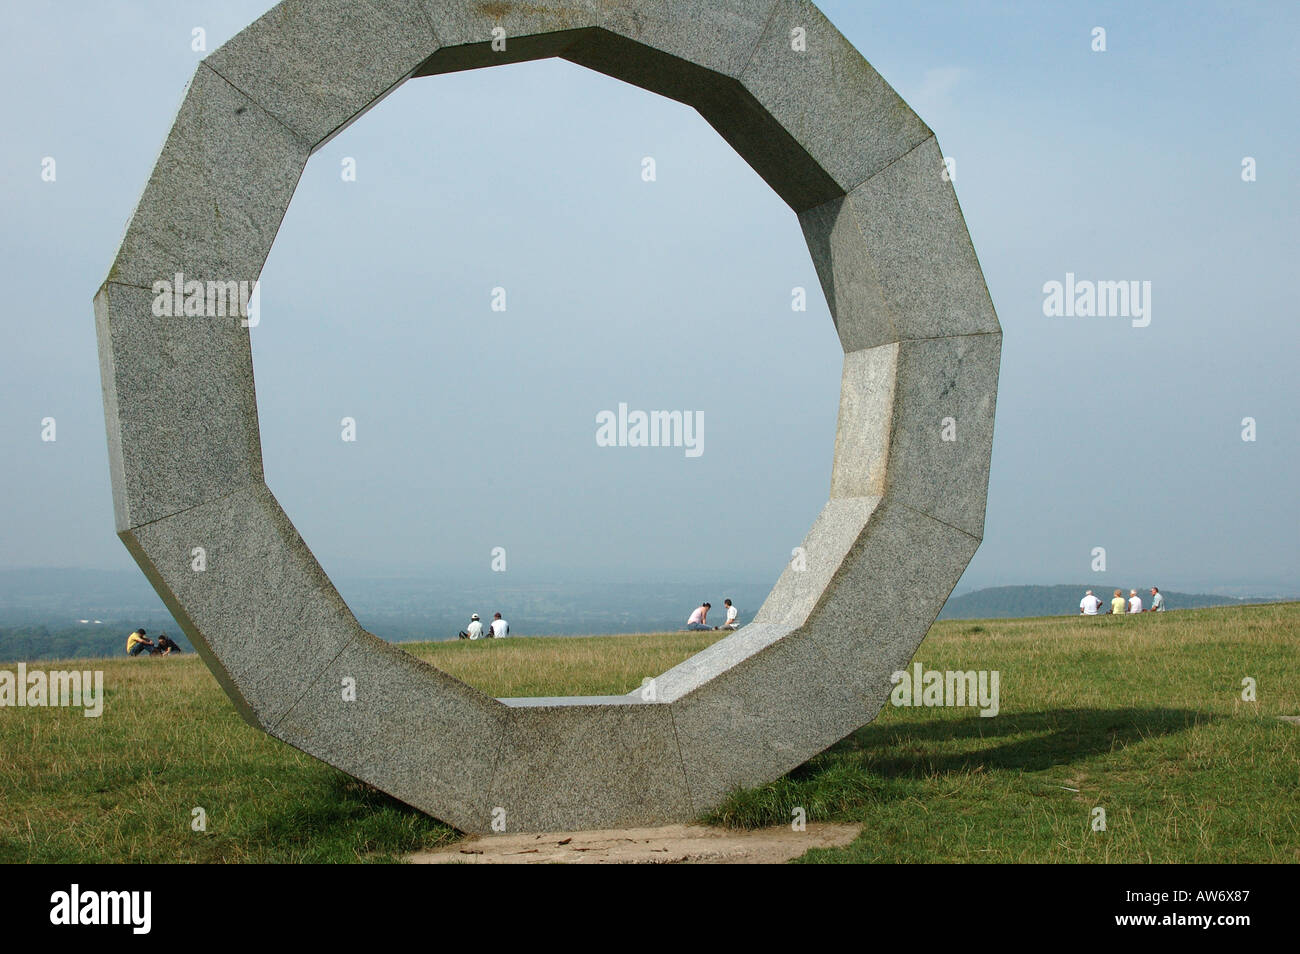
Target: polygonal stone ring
(907,491)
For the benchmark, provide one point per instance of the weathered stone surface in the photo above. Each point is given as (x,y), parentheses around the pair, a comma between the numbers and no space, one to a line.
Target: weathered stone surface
(862,434)
(719,35)
(456,22)
(906,504)
(809,572)
(726,105)
(532,31)
(847,275)
(692,673)
(262,606)
(178,403)
(919,249)
(317,64)
(380,714)
(884,598)
(217,194)
(947,388)
(850,121)
(585,766)
(759,719)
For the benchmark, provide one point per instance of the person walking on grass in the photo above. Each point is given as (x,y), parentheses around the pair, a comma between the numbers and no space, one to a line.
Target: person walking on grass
(1089,605)
(1134,602)
(700,618)
(1117,605)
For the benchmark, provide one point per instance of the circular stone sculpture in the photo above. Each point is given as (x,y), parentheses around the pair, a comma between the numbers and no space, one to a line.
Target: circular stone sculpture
(907,491)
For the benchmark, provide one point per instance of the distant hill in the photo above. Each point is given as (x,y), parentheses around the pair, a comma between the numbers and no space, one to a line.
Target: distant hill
(1001,602)
(42,610)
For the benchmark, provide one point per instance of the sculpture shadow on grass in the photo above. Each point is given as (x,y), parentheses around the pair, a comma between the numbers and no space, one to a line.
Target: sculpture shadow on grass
(884,763)
(1034,741)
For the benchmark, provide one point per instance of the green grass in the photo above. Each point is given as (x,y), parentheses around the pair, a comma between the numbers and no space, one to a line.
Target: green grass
(563,665)
(1142,716)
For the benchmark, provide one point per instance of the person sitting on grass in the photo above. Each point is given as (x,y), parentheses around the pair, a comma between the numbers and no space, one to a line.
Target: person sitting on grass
(166,646)
(1157,600)
(1089,605)
(474,630)
(732,613)
(1118,605)
(1134,602)
(700,618)
(138,643)
(499,629)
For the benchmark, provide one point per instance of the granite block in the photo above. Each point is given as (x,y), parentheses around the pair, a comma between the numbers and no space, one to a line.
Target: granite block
(722,102)
(460,22)
(179,406)
(847,274)
(719,35)
(533,30)
(882,602)
(848,119)
(584,766)
(947,388)
(863,432)
(759,719)
(709,662)
(834,531)
(217,194)
(262,606)
(921,260)
(407,728)
(315,65)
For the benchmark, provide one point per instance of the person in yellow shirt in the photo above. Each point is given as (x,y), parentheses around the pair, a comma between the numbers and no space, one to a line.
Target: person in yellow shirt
(137,643)
(1118,605)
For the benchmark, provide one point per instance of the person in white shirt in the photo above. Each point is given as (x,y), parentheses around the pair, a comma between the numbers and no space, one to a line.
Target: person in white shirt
(474,630)
(732,613)
(1089,605)
(500,628)
(1157,600)
(1134,602)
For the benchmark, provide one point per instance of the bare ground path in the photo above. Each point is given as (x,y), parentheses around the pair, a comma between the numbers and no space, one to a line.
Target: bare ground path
(671,844)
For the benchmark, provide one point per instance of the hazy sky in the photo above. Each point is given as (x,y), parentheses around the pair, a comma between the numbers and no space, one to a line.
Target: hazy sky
(477,428)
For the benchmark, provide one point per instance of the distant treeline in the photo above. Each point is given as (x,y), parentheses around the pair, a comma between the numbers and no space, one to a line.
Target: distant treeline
(399,612)
(79,641)
(1003,602)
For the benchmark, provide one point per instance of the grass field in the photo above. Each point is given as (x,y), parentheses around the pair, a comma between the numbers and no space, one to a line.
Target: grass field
(1142,717)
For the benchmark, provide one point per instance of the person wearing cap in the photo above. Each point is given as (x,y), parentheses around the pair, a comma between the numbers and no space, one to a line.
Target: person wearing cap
(474,630)
(500,628)
(1089,605)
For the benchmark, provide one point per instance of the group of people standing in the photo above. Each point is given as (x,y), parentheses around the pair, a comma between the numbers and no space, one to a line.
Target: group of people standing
(498,629)
(1090,605)
(700,618)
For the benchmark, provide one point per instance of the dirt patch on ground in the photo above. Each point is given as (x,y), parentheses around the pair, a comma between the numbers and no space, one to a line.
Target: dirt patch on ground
(672,844)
